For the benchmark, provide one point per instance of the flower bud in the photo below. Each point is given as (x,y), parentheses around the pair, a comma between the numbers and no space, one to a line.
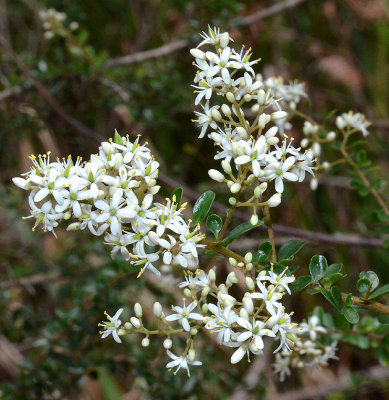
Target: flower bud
(238,355)
(197,53)
(250,283)
(257,192)
(205,291)
(151,182)
(216,116)
(261,97)
(216,137)
(191,354)
(75,226)
(153,237)
(340,122)
(254,219)
(247,97)
(248,305)
(316,148)
(21,183)
(212,275)
(226,110)
(145,342)
(248,257)
(232,201)
(187,292)
(272,321)
(138,310)
(157,309)
(135,321)
(231,277)
(204,308)
(167,343)
(255,108)
(304,143)
(240,264)
(331,136)
(272,141)
(233,262)
(230,97)
(249,267)
(225,38)
(155,189)
(121,331)
(275,200)
(226,167)
(314,184)
(193,331)
(244,314)
(128,326)
(278,115)
(227,299)
(262,120)
(271,132)
(326,165)
(235,187)
(216,175)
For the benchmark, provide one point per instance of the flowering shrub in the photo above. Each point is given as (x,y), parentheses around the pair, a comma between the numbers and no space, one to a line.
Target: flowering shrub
(115,194)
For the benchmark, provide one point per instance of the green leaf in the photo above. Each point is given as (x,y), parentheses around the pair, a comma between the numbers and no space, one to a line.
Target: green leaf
(379,292)
(239,230)
(363,285)
(318,267)
(333,269)
(178,196)
(262,253)
(342,323)
(301,283)
(289,249)
(337,297)
(328,296)
(330,280)
(351,315)
(214,224)
(383,356)
(349,300)
(372,277)
(384,319)
(202,206)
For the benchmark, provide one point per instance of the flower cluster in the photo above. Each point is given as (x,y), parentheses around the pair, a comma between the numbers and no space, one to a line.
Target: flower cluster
(53,23)
(250,152)
(308,352)
(356,121)
(112,194)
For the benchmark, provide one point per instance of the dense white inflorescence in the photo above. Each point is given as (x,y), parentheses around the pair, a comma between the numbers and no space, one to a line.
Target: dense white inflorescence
(112,194)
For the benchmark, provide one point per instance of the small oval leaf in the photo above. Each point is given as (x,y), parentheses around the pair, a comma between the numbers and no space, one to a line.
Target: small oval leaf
(351,315)
(289,249)
(202,206)
(318,267)
(214,224)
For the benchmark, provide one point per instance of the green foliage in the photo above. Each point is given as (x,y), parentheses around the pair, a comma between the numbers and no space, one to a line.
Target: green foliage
(263,253)
(318,267)
(238,231)
(202,206)
(288,250)
(214,224)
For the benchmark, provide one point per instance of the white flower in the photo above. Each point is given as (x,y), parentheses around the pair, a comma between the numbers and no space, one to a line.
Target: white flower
(180,362)
(183,314)
(279,170)
(312,327)
(255,331)
(205,119)
(111,327)
(281,366)
(357,121)
(221,321)
(270,297)
(282,279)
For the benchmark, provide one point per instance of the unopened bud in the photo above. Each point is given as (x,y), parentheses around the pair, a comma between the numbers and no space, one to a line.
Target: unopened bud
(250,283)
(135,321)
(249,267)
(138,310)
(157,309)
(304,143)
(216,116)
(196,53)
(145,342)
(248,257)
(261,97)
(271,132)
(75,226)
(244,314)
(326,165)
(248,305)
(128,326)
(275,200)
(191,354)
(230,97)
(233,262)
(316,148)
(224,42)
(314,184)
(205,291)
(278,115)
(247,97)
(167,343)
(187,292)
(235,187)
(212,275)
(226,110)
(216,175)
(331,136)
(254,219)
(241,132)
(226,167)
(272,141)
(193,331)
(232,201)
(204,308)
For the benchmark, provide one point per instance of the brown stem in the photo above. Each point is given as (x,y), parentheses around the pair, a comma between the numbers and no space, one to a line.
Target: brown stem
(270,232)
(227,222)
(372,305)
(221,250)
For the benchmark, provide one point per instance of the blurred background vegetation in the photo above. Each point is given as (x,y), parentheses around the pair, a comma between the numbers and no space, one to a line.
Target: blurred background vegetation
(66,94)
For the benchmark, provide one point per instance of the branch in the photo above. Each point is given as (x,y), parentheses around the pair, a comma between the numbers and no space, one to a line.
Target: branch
(31,280)
(181,44)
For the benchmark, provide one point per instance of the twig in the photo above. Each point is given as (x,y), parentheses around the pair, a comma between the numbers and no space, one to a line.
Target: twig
(30,280)
(181,44)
